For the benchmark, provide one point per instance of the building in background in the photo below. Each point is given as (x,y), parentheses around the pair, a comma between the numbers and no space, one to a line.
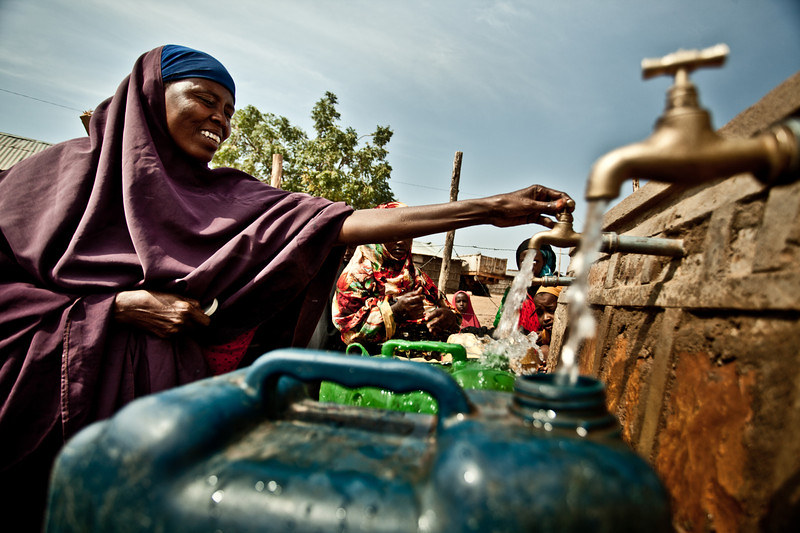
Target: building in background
(14,149)
(480,274)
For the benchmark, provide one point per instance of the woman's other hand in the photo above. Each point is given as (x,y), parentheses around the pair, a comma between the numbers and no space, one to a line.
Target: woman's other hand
(409,306)
(442,321)
(160,313)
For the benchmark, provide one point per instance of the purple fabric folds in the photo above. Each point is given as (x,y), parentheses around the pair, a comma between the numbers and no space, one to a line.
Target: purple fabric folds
(125,209)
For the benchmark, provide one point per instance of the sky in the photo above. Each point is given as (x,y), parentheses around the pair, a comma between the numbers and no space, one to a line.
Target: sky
(529,91)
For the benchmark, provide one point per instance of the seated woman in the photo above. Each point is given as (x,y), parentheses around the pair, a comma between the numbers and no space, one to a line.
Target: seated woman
(113,245)
(381,295)
(544,264)
(546,300)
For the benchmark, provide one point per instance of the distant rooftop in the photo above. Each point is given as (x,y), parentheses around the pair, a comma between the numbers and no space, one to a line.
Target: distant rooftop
(426,248)
(14,149)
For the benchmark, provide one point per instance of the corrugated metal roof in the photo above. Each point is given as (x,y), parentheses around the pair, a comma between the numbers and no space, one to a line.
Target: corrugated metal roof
(14,149)
(426,248)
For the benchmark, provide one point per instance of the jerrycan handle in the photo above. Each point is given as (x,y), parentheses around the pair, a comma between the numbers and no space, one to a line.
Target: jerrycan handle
(356,346)
(385,373)
(458,352)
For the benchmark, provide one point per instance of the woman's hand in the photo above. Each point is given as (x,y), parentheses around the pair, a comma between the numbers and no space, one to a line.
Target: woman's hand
(442,321)
(409,306)
(529,206)
(160,313)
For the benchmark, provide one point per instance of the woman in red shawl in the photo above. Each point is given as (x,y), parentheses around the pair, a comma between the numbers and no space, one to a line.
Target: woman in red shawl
(113,245)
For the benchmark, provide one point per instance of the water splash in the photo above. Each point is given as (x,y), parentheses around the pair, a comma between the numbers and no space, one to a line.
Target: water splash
(509,353)
(510,346)
(580,320)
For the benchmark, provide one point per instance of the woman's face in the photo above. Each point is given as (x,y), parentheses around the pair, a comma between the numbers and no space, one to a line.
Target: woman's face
(398,250)
(199,115)
(462,303)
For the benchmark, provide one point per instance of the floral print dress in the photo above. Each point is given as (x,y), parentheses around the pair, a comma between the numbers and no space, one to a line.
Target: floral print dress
(366,290)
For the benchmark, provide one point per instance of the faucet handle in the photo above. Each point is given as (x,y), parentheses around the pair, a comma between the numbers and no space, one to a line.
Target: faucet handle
(566,214)
(682,62)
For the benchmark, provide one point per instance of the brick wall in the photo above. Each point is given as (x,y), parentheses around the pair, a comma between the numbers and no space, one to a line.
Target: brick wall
(701,355)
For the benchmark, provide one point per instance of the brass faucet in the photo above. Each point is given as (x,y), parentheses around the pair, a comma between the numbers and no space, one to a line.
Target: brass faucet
(684,148)
(562,235)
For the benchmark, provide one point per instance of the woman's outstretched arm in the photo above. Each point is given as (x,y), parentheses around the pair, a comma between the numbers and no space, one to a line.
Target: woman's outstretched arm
(526,206)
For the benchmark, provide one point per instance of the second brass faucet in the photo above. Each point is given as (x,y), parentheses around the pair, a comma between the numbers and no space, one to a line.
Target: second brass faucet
(684,148)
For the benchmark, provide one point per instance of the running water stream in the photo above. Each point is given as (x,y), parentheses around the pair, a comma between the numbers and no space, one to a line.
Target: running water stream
(516,296)
(508,340)
(514,345)
(580,322)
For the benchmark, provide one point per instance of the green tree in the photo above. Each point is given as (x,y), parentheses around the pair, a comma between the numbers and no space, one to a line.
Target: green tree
(331,165)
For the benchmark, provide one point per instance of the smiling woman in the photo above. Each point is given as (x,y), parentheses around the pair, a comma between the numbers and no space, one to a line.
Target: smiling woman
(113,244)
(199,115)
(199,95)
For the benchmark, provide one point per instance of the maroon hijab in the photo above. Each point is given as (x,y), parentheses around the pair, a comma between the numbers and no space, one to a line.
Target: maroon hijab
(125,209)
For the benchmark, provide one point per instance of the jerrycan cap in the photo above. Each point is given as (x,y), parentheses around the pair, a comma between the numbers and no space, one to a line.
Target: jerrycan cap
(551,401)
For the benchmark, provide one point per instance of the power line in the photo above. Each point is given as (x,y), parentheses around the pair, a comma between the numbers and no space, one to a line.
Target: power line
(394,180)
(429,187)
(485,248)
(441,246)
(40,100)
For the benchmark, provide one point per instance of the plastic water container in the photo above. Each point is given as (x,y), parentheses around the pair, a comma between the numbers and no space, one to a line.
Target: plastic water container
(249,451)
(470,374)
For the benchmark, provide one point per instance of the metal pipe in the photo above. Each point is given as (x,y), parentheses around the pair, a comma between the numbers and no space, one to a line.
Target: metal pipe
(553,281)
(626,244)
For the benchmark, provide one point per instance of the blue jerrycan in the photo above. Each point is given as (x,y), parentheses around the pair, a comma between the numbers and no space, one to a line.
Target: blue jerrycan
(250,451)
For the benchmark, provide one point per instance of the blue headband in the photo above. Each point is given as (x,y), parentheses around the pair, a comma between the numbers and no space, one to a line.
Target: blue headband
(180,62)
(549,256)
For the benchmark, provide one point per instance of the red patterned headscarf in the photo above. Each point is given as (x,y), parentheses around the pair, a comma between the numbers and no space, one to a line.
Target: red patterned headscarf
(390,205)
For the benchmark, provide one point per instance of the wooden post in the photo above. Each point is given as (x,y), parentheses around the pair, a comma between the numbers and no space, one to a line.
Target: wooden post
(85,118)
(444,274)
(277,170)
